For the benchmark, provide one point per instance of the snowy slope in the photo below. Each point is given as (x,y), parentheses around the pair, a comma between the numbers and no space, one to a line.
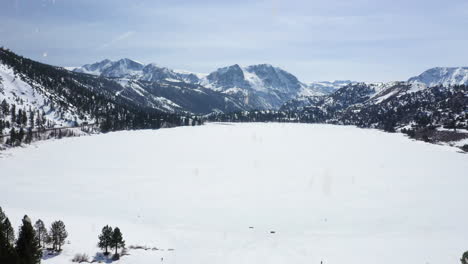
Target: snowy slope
(327,87)
(29,95)
(445,76)
(261,77)
(387,106)
(381,199)
(261,86)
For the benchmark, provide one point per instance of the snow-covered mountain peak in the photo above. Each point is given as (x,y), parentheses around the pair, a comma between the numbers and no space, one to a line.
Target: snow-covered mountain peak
(261,86)
(128,68)
(275,78)
(226,78)
(258,67)
(260,77)
(445,76)
(94,68)
(152,72)
(327,87)
(121,68)
(129,62)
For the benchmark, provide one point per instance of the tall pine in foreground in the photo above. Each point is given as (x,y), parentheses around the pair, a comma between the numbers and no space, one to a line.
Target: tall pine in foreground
(105,238)
(9,231)
(27,245)
(7,252)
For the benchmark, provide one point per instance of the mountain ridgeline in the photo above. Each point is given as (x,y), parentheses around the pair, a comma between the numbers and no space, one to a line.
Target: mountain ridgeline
(228,89)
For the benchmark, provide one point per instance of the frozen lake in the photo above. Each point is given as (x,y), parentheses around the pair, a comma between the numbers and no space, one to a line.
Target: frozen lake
(331,193)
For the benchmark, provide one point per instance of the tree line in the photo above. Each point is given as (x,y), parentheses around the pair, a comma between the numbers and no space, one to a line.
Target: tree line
(21,122)
(28,248)
(33,240)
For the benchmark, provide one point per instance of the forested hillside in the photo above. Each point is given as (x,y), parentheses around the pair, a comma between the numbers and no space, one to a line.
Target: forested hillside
(36,97)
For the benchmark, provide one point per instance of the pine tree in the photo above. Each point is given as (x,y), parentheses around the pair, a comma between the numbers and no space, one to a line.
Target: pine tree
(31,119)
(24,118)
(41,232)
(13,136)
(27,245)
(105,238)
(38,120)
(19,117)
(2,215)
(5,107)
(117,240)
(464,259)
(29,136)
(20,135)
(58,234)
(13,113)
(9,231)
(7,252)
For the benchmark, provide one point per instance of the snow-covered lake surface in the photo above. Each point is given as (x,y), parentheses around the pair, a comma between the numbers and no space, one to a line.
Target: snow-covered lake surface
(331,193)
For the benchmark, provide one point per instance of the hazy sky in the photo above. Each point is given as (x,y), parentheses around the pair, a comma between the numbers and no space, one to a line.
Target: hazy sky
(363,40)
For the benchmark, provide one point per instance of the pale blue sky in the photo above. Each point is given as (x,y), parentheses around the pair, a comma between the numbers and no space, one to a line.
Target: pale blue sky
(363,40)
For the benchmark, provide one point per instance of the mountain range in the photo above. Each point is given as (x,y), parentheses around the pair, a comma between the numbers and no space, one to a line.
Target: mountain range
(261,86)
(116,92)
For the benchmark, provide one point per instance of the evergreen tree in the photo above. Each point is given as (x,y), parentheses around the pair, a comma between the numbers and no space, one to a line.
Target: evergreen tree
(24,118)
(29,136)
(13,136)
(117,239)
(19,117)
(7,252)
(9,231)
(20,135)
(2,215)
(105,238)
(5,108)
(13,113)
(58,234)
(31,119)
(27,245)
(464,259)
(41,232)
(38,120)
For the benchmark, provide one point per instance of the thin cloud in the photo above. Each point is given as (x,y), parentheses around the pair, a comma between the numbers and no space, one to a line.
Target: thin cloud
(119,38)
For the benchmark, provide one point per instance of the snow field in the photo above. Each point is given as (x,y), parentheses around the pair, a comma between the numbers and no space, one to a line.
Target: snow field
(333,193)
